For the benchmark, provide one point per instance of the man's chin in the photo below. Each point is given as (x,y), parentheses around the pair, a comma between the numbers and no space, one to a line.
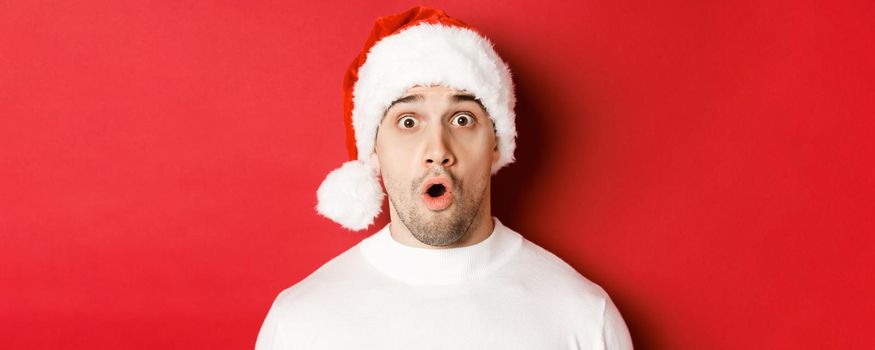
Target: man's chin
(443,212)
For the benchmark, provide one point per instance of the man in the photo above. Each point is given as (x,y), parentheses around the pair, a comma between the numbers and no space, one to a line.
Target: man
(429,109)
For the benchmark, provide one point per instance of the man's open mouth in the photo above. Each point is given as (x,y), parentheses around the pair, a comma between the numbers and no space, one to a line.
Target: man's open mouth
(436,190)
(438,193)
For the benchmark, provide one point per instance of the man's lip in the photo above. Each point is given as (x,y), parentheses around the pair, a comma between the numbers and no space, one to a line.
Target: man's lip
(440,179)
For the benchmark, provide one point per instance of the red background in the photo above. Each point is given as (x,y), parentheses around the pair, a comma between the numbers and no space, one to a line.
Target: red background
(710,164)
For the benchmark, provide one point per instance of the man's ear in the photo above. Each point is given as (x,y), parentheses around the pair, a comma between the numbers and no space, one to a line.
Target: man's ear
(495,154)
(375,160)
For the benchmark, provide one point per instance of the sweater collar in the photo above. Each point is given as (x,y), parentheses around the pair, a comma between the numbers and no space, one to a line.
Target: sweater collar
(428,266)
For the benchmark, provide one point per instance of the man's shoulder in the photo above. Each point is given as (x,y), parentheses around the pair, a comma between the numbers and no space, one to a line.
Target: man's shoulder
(328,282)
(547,270)
(559,290)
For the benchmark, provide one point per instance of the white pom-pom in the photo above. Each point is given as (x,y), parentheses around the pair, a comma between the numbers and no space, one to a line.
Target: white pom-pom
(351,195)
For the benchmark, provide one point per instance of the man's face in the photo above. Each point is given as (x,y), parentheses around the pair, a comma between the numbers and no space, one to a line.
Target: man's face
(435,147)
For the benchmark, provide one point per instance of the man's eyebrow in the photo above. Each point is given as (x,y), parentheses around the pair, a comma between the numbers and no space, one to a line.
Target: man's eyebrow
(417,98)
(407,99)
(467,97)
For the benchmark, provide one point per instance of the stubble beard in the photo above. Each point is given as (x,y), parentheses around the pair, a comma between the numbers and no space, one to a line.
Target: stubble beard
(441,228)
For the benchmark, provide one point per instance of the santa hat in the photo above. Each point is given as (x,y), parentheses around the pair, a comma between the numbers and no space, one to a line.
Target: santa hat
(420,46)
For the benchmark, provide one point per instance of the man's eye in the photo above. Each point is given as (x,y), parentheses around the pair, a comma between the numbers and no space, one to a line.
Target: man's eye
(462,120)
(407,122)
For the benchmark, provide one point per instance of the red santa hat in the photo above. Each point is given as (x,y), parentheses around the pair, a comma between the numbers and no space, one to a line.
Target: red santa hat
(420,46)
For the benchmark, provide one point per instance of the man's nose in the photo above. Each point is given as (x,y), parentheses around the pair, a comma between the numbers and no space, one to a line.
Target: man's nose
(438,152)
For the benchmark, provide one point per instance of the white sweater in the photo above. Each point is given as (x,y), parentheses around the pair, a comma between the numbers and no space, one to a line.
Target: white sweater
(502,293)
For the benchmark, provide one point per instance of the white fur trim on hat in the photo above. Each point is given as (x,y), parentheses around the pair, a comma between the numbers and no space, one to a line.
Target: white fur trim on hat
(351,195)
(433,54)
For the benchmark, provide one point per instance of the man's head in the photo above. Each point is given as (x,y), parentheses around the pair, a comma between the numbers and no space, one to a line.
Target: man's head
(435,149)
(422,52)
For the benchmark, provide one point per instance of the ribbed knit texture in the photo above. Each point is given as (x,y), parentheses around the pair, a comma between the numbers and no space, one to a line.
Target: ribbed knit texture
(502,293)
